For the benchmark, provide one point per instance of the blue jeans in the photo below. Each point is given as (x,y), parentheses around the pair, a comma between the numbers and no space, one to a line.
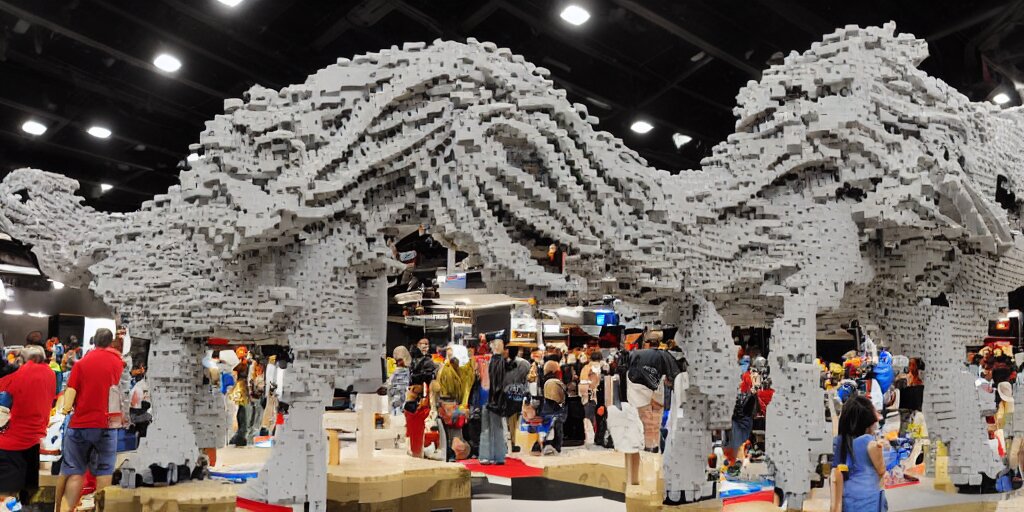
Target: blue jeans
(492,437)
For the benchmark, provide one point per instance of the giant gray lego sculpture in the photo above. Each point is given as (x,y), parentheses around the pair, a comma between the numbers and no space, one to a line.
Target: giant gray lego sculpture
(855,186)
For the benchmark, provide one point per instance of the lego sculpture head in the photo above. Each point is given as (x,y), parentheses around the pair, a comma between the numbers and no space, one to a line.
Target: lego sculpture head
(41,209)
(855,113)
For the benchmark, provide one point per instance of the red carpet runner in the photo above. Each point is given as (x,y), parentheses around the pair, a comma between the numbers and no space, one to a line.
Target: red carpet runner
(513,468)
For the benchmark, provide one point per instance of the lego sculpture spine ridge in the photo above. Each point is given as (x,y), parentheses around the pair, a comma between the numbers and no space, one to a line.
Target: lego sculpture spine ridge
(855,186)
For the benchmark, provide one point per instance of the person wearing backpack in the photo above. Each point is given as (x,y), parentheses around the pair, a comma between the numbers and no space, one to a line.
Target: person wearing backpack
(91,440)
(648,371)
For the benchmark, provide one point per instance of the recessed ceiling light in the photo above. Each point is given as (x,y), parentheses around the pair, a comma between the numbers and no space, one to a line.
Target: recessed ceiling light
(641,127)
(192,157)
(680,139)
(33,128)
(57,285)
(14,312)
(1001,98)
(230,3)
(105,187)
(39,315)
(99,132)
(573,14)
(167,62)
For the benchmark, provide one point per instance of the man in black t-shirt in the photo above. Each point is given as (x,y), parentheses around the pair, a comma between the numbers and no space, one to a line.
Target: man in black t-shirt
(649,369)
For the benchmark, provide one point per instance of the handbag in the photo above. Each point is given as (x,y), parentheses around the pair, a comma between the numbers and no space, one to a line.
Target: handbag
(452,413)
(512,399)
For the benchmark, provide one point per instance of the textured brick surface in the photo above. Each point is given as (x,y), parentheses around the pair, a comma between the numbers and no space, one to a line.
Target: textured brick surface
(855,186)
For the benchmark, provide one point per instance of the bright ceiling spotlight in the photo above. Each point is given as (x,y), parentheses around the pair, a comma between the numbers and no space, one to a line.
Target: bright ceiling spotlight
(167,62)
(14,312)
(230,3)
(641,127)
(57,285)
(99,132)
(33,128)
(192,157)
(573,14)
(680,139)
(1001,98)
(105,187)
(38,315)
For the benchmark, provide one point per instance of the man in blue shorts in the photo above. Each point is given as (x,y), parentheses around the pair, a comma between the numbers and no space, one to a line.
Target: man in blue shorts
(90,443)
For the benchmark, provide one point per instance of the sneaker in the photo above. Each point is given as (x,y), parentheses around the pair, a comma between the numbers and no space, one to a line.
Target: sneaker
(485,462)
(11,504)
(516,449)
(549,450)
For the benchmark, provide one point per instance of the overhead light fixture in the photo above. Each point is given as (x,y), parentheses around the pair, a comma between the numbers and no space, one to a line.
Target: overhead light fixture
(573,14)
(1001,98)
(105,187)
(641,127)
(230,3)
(33,127)
(19,269)
(14,312)
(167,62)
(99,132)
(680,139)
(38,315)
(57,285)
(192,157)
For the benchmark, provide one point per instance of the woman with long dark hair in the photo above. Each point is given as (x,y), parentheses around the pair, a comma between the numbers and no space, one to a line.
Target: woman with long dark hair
(858,465)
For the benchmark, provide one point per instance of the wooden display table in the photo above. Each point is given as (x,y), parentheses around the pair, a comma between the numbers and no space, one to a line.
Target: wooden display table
(198,496)
(391,480)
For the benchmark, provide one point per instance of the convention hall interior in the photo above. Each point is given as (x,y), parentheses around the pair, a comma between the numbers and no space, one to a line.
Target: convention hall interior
(490,255)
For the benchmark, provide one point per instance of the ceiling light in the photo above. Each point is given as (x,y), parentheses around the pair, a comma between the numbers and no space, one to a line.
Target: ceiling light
(680,139)
(57,285)
(38,315)
(99,132)
(641,127)
(167,62)
(230,3)
(1001,98)
(14,312)
(105,187)
(19,269)
(192,157)
(573,14)
(33,128)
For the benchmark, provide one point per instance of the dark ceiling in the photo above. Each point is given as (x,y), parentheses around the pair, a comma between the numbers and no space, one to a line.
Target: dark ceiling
(678,64)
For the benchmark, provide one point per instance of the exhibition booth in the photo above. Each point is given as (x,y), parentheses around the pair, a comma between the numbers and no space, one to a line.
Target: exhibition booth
(423,278)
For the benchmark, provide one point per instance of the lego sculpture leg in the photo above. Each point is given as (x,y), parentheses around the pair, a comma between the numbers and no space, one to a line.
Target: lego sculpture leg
(796,434)
(174,379)
(296,473)
(951,407)
(703,406)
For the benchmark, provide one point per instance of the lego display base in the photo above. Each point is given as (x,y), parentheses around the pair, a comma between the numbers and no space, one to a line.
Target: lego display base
(394,481)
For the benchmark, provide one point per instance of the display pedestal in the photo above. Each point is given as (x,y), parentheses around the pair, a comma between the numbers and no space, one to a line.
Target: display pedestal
(391,480)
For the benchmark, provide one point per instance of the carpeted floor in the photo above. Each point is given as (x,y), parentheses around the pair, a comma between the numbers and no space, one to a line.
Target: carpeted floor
(512,468)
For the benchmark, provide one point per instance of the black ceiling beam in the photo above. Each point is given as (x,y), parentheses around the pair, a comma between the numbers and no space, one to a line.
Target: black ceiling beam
(72,172)
(50,115)
(184,43)
(800,17)
(272,54)
(682,76)
(79,79)
(583,92)
(57,28)
(478,16)
(688,36)
(634,70)
(965,23)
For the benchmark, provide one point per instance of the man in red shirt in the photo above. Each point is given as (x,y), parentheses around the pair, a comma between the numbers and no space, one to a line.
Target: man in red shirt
(32,389)
(89,442)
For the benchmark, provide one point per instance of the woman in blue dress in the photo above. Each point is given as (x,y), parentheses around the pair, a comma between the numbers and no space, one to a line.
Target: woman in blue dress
(857,459)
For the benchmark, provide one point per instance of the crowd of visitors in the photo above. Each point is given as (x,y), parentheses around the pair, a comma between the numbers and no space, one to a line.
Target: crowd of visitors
(485,399)
(87,395)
